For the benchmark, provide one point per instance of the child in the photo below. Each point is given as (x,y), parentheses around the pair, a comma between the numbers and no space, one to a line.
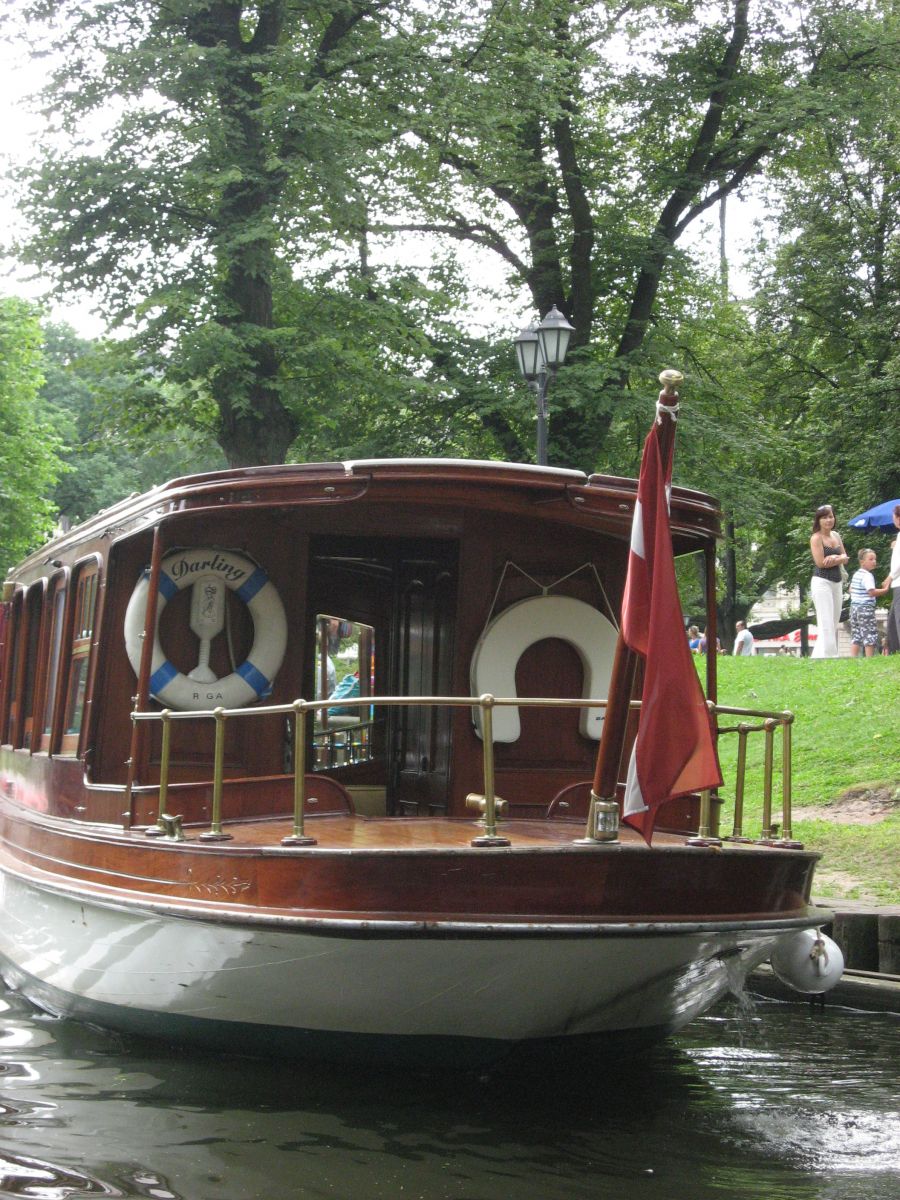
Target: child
(863,594)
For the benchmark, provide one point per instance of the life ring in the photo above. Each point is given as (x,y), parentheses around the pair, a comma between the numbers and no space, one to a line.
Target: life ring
(508,636)
(200,688)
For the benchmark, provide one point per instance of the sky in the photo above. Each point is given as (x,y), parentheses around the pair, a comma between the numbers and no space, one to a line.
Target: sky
(18,78)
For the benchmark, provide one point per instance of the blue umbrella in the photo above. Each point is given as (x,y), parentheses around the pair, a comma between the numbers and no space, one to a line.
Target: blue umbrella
(879,517)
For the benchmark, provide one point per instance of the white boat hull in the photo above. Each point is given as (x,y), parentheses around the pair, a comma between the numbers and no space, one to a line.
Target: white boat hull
(140,968)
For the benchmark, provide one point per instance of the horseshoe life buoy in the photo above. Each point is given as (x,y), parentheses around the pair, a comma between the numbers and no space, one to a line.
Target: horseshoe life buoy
(508,636)
(209,572)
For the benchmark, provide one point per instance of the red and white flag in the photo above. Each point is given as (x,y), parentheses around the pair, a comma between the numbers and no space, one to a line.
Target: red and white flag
(674,752)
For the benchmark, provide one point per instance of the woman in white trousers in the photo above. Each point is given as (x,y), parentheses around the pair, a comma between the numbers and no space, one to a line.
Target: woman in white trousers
(829,555)
(893,627)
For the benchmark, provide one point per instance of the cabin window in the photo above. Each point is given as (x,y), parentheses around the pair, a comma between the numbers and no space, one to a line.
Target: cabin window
(34,604)
(57,614)
(13,662)
(344,669)
(79,659)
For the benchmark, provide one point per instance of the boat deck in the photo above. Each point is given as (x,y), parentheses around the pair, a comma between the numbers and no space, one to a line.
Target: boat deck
(349,832)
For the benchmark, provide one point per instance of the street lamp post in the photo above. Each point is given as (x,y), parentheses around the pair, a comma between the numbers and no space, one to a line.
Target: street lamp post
(540,352)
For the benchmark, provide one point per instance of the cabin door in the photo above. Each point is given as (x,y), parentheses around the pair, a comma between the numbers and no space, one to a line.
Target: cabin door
(424,636)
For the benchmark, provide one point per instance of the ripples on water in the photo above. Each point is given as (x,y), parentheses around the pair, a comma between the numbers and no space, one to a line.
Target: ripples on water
(780,1104)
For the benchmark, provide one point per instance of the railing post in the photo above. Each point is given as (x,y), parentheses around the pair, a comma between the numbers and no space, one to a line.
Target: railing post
(298,837)
(740,777)
(704,835)
(769,728)
(705,822)
(787,835)
(786,780)
(489,801)
(159,828)
(216,834)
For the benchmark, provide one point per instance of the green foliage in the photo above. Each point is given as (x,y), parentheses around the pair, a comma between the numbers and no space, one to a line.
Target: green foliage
(79,398)
(29,461)
(827,358)
(222,159)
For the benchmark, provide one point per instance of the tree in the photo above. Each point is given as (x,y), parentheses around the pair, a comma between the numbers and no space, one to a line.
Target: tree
(530,134)
(827,315)
(29,462)
(265,146)
(179,218)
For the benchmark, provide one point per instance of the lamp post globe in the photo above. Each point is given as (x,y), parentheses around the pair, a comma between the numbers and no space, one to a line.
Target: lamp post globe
(528,352)
(540,352)
(554,333)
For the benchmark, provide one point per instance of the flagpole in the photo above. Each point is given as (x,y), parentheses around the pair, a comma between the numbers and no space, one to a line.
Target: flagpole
(603,811)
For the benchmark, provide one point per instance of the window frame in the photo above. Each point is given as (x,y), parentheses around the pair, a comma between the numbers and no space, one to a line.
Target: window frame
(32,673)
(79,642)
(58,589)
(12,667)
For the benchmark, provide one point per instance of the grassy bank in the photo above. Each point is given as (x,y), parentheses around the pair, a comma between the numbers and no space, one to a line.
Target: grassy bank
(846,763)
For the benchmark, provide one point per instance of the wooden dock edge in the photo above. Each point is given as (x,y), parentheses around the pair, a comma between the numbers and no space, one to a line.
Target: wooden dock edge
(857,989)
(868,935)
(869,938)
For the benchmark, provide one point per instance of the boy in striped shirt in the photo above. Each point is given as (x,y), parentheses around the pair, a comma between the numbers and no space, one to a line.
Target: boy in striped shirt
(863,594)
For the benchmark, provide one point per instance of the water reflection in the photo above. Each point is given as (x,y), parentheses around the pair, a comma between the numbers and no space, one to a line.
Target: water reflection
(780,1103)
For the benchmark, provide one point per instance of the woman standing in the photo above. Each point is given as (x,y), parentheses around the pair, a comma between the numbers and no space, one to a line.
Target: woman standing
(829,556)
(893,625)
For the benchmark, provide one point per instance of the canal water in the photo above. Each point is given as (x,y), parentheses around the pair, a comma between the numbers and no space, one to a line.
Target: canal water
(765,1102)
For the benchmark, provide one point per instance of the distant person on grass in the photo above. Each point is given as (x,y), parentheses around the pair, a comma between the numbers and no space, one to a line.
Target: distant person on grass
(893,625)
(743,641)
(829,556)
(863,594)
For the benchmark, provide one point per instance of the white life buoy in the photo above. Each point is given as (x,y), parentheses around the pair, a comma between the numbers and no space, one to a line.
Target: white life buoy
(509,635)
(206,570)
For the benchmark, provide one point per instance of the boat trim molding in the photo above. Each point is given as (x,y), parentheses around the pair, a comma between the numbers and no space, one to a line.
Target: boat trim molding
(199,910)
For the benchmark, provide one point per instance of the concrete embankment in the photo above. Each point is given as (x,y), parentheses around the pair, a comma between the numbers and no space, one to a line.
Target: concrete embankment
(869,938)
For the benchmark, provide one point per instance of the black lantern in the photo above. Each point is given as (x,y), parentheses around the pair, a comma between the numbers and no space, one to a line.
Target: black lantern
(554,333)
(541,352)
(528,352)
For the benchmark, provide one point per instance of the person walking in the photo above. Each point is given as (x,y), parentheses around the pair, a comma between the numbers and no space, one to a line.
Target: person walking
(828,555)
(893,625)
(863,594)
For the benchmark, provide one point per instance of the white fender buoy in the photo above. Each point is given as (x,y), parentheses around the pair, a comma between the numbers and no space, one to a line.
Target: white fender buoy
(207,571)
(808,961)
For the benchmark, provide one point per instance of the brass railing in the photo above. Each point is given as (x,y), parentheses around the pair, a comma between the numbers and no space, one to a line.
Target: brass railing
(769,723)
(342,745)
(486,801)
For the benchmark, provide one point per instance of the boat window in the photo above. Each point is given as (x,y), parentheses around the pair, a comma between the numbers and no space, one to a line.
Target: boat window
(82,632)
(13,661)
(345,669)
(34,604)
(58,609)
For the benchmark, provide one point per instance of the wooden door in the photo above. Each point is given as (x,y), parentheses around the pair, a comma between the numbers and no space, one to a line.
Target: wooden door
(425,610)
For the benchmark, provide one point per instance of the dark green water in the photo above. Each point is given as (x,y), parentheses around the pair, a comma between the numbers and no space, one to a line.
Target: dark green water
(778,1104)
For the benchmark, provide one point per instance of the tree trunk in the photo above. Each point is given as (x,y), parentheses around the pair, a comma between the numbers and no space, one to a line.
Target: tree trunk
(729,600)
(254,426)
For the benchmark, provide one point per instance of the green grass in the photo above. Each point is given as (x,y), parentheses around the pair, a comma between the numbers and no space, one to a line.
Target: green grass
(846,735)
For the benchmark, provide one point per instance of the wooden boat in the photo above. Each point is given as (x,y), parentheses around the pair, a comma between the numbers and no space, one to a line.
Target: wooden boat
(196,844)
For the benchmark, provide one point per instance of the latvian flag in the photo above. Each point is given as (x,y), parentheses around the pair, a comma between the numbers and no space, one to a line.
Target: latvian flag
(674,752)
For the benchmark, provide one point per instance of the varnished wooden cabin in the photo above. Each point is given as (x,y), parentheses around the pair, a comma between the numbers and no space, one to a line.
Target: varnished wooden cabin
(416,557)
